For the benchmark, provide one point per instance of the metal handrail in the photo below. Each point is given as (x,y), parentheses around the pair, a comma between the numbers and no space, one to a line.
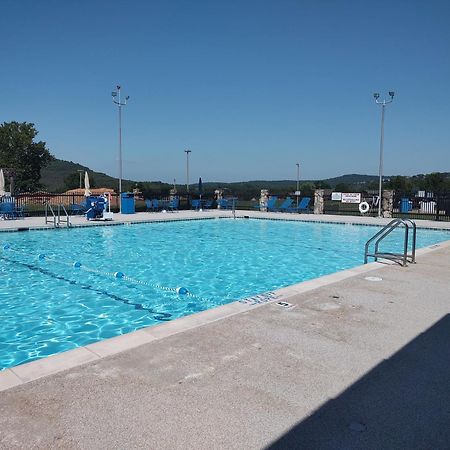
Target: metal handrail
(47,220)
(67,219)
(401,258)
(233,207)
(56,218)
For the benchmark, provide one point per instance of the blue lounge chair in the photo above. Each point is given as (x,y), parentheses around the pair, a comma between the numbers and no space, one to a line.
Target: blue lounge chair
(286,205)
(207,204)
(195,204)
(173,204)
(303,205)
(227,203)
(223,203)
(270,203)
(78,208)
(148,205)
(6,210)
(155,204)
(9,210)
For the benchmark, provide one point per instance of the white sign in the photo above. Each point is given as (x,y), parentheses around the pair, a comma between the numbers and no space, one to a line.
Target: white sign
(336,196)
(297,193)
(351,197)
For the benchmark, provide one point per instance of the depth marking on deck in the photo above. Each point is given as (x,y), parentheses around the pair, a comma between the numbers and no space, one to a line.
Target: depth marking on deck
(259,299)
(285,305)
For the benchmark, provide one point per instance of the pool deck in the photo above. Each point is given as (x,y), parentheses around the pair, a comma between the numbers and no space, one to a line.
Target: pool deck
(350,363)
(119,219)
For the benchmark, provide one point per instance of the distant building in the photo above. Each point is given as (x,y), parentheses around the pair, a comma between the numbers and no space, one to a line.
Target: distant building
(95,191)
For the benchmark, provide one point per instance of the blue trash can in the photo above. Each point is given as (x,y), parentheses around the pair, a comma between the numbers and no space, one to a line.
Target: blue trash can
(404,205)
(127,203)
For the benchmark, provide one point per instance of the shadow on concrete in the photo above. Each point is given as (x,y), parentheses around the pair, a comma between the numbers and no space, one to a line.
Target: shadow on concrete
(403,403)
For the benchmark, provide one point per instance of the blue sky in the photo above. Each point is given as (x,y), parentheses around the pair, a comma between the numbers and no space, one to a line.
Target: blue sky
(251,87)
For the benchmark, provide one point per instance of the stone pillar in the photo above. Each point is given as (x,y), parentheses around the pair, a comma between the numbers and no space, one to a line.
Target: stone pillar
(318,201)
(387,203)
(263,200)
(219,196)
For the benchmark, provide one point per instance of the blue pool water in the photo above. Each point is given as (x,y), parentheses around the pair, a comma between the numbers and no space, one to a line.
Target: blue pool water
(48,306)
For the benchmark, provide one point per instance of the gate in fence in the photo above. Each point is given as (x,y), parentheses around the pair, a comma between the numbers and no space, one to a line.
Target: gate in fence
(424,206)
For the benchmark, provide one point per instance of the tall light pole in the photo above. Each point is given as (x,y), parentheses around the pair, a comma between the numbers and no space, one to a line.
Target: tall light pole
(298,180)
(383,104)
(187,170)
(80,171)
(119,103)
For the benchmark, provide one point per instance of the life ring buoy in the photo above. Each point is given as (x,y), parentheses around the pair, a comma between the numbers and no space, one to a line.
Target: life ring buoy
(364,207)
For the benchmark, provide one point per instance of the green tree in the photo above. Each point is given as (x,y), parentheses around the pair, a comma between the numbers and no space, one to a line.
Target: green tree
(321,184)
(343,187)
(19,152)
(435,182)
(307,189)
(400,184)
(72,181)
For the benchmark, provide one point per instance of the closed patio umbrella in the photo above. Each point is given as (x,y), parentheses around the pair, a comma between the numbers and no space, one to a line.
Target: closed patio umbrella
(200,188)
(87,186)
(2,182)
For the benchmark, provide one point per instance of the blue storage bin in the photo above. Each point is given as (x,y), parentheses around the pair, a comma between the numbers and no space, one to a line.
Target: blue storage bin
(404,205)
(127,203)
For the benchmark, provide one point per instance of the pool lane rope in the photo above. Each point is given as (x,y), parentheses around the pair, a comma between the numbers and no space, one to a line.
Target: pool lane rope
(181,290)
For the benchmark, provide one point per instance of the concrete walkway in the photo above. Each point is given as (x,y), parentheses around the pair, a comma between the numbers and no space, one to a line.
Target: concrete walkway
(356,364)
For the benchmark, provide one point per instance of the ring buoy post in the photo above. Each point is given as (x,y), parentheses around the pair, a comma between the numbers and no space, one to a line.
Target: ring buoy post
(364,207)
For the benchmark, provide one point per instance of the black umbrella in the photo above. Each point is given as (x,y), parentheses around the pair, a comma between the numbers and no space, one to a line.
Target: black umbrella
(200,188)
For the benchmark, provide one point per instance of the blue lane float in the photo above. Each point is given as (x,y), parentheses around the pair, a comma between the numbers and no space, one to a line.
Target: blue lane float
(181,290)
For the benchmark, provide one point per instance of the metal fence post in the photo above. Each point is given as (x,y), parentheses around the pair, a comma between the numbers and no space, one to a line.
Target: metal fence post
(437,207)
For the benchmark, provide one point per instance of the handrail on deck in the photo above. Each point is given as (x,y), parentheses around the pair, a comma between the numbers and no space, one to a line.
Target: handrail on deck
(56,218)
(400,258)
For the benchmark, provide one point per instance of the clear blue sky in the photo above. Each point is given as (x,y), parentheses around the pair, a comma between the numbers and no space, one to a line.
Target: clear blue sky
(251,87)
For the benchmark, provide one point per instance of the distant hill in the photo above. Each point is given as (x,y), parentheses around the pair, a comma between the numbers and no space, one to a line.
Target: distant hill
(352,179)
(61,175)
(54,176)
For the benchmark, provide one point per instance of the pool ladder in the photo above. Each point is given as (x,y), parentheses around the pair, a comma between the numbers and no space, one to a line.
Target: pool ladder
(56,218)
(400,258)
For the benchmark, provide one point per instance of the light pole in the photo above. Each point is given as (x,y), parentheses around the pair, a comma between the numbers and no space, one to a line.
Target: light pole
(119,103)
(383,104)
(187,170)
(298,180)
(80,171)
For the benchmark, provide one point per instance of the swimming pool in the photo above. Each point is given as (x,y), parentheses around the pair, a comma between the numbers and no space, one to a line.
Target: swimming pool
(49,305)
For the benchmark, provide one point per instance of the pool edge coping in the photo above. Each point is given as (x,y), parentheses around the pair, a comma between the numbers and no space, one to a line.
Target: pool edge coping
(53,364)
(240,214)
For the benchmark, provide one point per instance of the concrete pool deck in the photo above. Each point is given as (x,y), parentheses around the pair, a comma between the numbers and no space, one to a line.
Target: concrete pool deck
(142,217)
(353,363)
